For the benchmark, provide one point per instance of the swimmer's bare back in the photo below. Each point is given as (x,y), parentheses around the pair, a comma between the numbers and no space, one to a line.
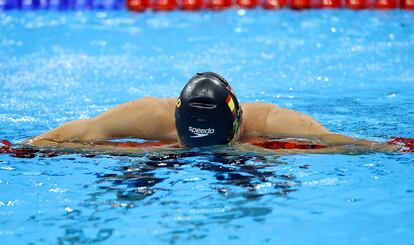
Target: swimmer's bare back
(152,118)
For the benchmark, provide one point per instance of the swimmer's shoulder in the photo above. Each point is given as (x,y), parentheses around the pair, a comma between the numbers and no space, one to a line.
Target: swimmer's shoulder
(262,111)
(266,118)
(259,107)
(255,115)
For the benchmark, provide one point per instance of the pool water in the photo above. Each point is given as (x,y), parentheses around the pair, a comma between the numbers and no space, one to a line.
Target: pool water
(353,71)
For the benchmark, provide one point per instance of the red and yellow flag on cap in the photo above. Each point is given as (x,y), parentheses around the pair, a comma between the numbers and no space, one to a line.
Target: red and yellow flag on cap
(230,103)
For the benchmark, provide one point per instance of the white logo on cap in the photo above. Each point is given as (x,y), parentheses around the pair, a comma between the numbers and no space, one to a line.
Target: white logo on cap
(200,132)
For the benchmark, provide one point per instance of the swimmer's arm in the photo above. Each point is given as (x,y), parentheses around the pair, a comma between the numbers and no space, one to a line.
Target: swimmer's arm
(344,149)
(309,127)
(346,143)
(63,135)
(263,119)
(147,118)
(91,148)
(289,123)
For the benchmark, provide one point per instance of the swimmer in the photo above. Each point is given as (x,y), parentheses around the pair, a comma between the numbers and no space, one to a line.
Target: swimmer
(206,113)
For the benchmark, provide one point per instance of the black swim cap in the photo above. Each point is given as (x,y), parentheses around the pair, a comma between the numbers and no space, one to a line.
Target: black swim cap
(207,111)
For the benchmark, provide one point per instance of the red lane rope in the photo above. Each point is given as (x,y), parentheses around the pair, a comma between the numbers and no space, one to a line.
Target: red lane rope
(6,147)
(135,144)
(405,144)
(276,143)
(194,5)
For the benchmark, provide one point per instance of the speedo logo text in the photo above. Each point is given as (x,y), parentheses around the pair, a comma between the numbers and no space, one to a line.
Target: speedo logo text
(200,132)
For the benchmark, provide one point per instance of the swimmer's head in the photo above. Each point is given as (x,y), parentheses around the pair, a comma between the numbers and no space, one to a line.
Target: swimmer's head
(207,111)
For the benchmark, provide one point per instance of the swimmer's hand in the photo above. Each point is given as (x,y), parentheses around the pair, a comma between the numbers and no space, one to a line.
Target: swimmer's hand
(342,141)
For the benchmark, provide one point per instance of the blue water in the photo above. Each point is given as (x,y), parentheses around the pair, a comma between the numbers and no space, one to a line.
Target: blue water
(353,71)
